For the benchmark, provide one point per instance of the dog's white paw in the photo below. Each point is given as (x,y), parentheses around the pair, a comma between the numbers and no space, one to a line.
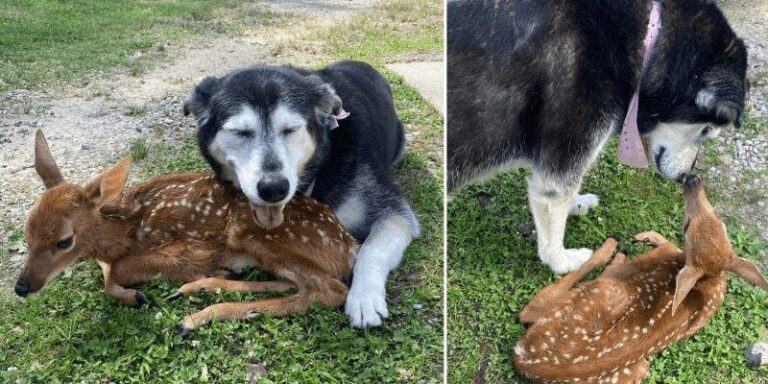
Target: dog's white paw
(568,260)
(366,306)
(583,203)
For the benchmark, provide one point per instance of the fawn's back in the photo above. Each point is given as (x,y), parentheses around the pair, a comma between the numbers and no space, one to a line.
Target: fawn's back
(615,321)
(195,207)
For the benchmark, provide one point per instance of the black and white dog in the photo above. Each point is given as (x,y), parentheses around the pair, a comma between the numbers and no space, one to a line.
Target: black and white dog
(545,83)
(275,132)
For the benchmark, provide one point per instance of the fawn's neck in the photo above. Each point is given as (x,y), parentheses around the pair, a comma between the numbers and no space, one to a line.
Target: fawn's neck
(113,237)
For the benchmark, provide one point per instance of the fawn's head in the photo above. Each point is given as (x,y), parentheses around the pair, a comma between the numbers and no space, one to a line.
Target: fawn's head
(707,248)
(58,226)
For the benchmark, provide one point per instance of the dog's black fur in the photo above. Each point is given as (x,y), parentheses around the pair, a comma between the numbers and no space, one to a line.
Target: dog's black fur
(542,81)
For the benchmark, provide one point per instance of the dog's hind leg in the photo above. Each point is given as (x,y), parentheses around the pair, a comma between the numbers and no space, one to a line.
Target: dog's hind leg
(217,285)
(553,296)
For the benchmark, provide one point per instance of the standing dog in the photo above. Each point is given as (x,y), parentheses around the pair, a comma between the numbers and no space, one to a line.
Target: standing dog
(277,132)
(545,83)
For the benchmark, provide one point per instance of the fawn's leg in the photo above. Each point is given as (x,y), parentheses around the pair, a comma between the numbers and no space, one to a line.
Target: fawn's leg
(652,238)
(125,296)
(218,284)
(661,245)
(553,296)
(333,294)
(614,266)
(177,261)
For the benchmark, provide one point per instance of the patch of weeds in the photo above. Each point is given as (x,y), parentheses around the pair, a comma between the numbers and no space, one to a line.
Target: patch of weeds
(139,149)
(135,110)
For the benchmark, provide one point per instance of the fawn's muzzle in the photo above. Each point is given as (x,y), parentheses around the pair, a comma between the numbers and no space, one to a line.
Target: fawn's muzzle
(690,182)
(21,288)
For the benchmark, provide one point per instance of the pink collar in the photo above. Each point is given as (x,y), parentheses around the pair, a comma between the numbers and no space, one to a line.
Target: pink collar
(631,151)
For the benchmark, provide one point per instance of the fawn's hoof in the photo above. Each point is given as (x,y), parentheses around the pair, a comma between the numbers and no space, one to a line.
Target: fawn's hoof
(183,331)
(141,298)
(174,296)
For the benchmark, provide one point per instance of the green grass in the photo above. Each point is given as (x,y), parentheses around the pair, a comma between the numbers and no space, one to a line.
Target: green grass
(43,42)
(494,272)
(415,27)
(72,332)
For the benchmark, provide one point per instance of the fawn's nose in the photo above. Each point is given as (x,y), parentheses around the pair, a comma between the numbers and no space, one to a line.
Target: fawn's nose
(690,181)
(21,288)
(273,189)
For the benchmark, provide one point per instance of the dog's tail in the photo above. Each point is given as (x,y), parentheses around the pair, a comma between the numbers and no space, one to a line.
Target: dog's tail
(401,148)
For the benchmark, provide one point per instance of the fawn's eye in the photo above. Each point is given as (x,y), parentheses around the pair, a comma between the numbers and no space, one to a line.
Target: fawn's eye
(64,243)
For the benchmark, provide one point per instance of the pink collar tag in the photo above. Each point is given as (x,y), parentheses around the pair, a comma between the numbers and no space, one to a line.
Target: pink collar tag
(631,151)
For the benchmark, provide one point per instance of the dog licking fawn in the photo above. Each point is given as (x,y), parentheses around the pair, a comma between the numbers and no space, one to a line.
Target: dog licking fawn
(187,228)
(602,331)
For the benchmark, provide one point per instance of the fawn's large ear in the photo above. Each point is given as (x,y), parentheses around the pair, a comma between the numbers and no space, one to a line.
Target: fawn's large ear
(198,101)
(328,108)
(686,279)
(108,185)
(44,164)
(748,271)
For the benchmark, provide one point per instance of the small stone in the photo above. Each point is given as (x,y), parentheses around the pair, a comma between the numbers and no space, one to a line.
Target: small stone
(525,228)
(85,147)
(158,315)
(757,355)
(255,372)
(418,306)
(195,343)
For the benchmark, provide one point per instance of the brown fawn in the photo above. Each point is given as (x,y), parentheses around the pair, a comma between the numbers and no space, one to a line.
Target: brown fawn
(187,228)
(602,331)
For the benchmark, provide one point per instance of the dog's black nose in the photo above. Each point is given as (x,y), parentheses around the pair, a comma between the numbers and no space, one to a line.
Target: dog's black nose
(273,190)
(21,288)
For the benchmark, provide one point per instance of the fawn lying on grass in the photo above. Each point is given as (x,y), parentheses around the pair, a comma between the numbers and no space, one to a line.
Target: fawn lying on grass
(185,227)
(603,330)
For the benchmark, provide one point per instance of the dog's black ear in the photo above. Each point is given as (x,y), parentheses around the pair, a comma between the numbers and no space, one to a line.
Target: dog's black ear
(722,95)
(328,107)
(197,102)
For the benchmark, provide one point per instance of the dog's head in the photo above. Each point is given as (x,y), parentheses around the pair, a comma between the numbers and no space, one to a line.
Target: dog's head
(707,248)
(265,130)
(699,89)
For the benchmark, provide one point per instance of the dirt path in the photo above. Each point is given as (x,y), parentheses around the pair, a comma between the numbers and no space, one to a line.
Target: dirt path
(87,126)
(742,175)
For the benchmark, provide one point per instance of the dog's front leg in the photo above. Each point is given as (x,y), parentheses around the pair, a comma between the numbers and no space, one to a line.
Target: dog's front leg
(551,201)
(381,252)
